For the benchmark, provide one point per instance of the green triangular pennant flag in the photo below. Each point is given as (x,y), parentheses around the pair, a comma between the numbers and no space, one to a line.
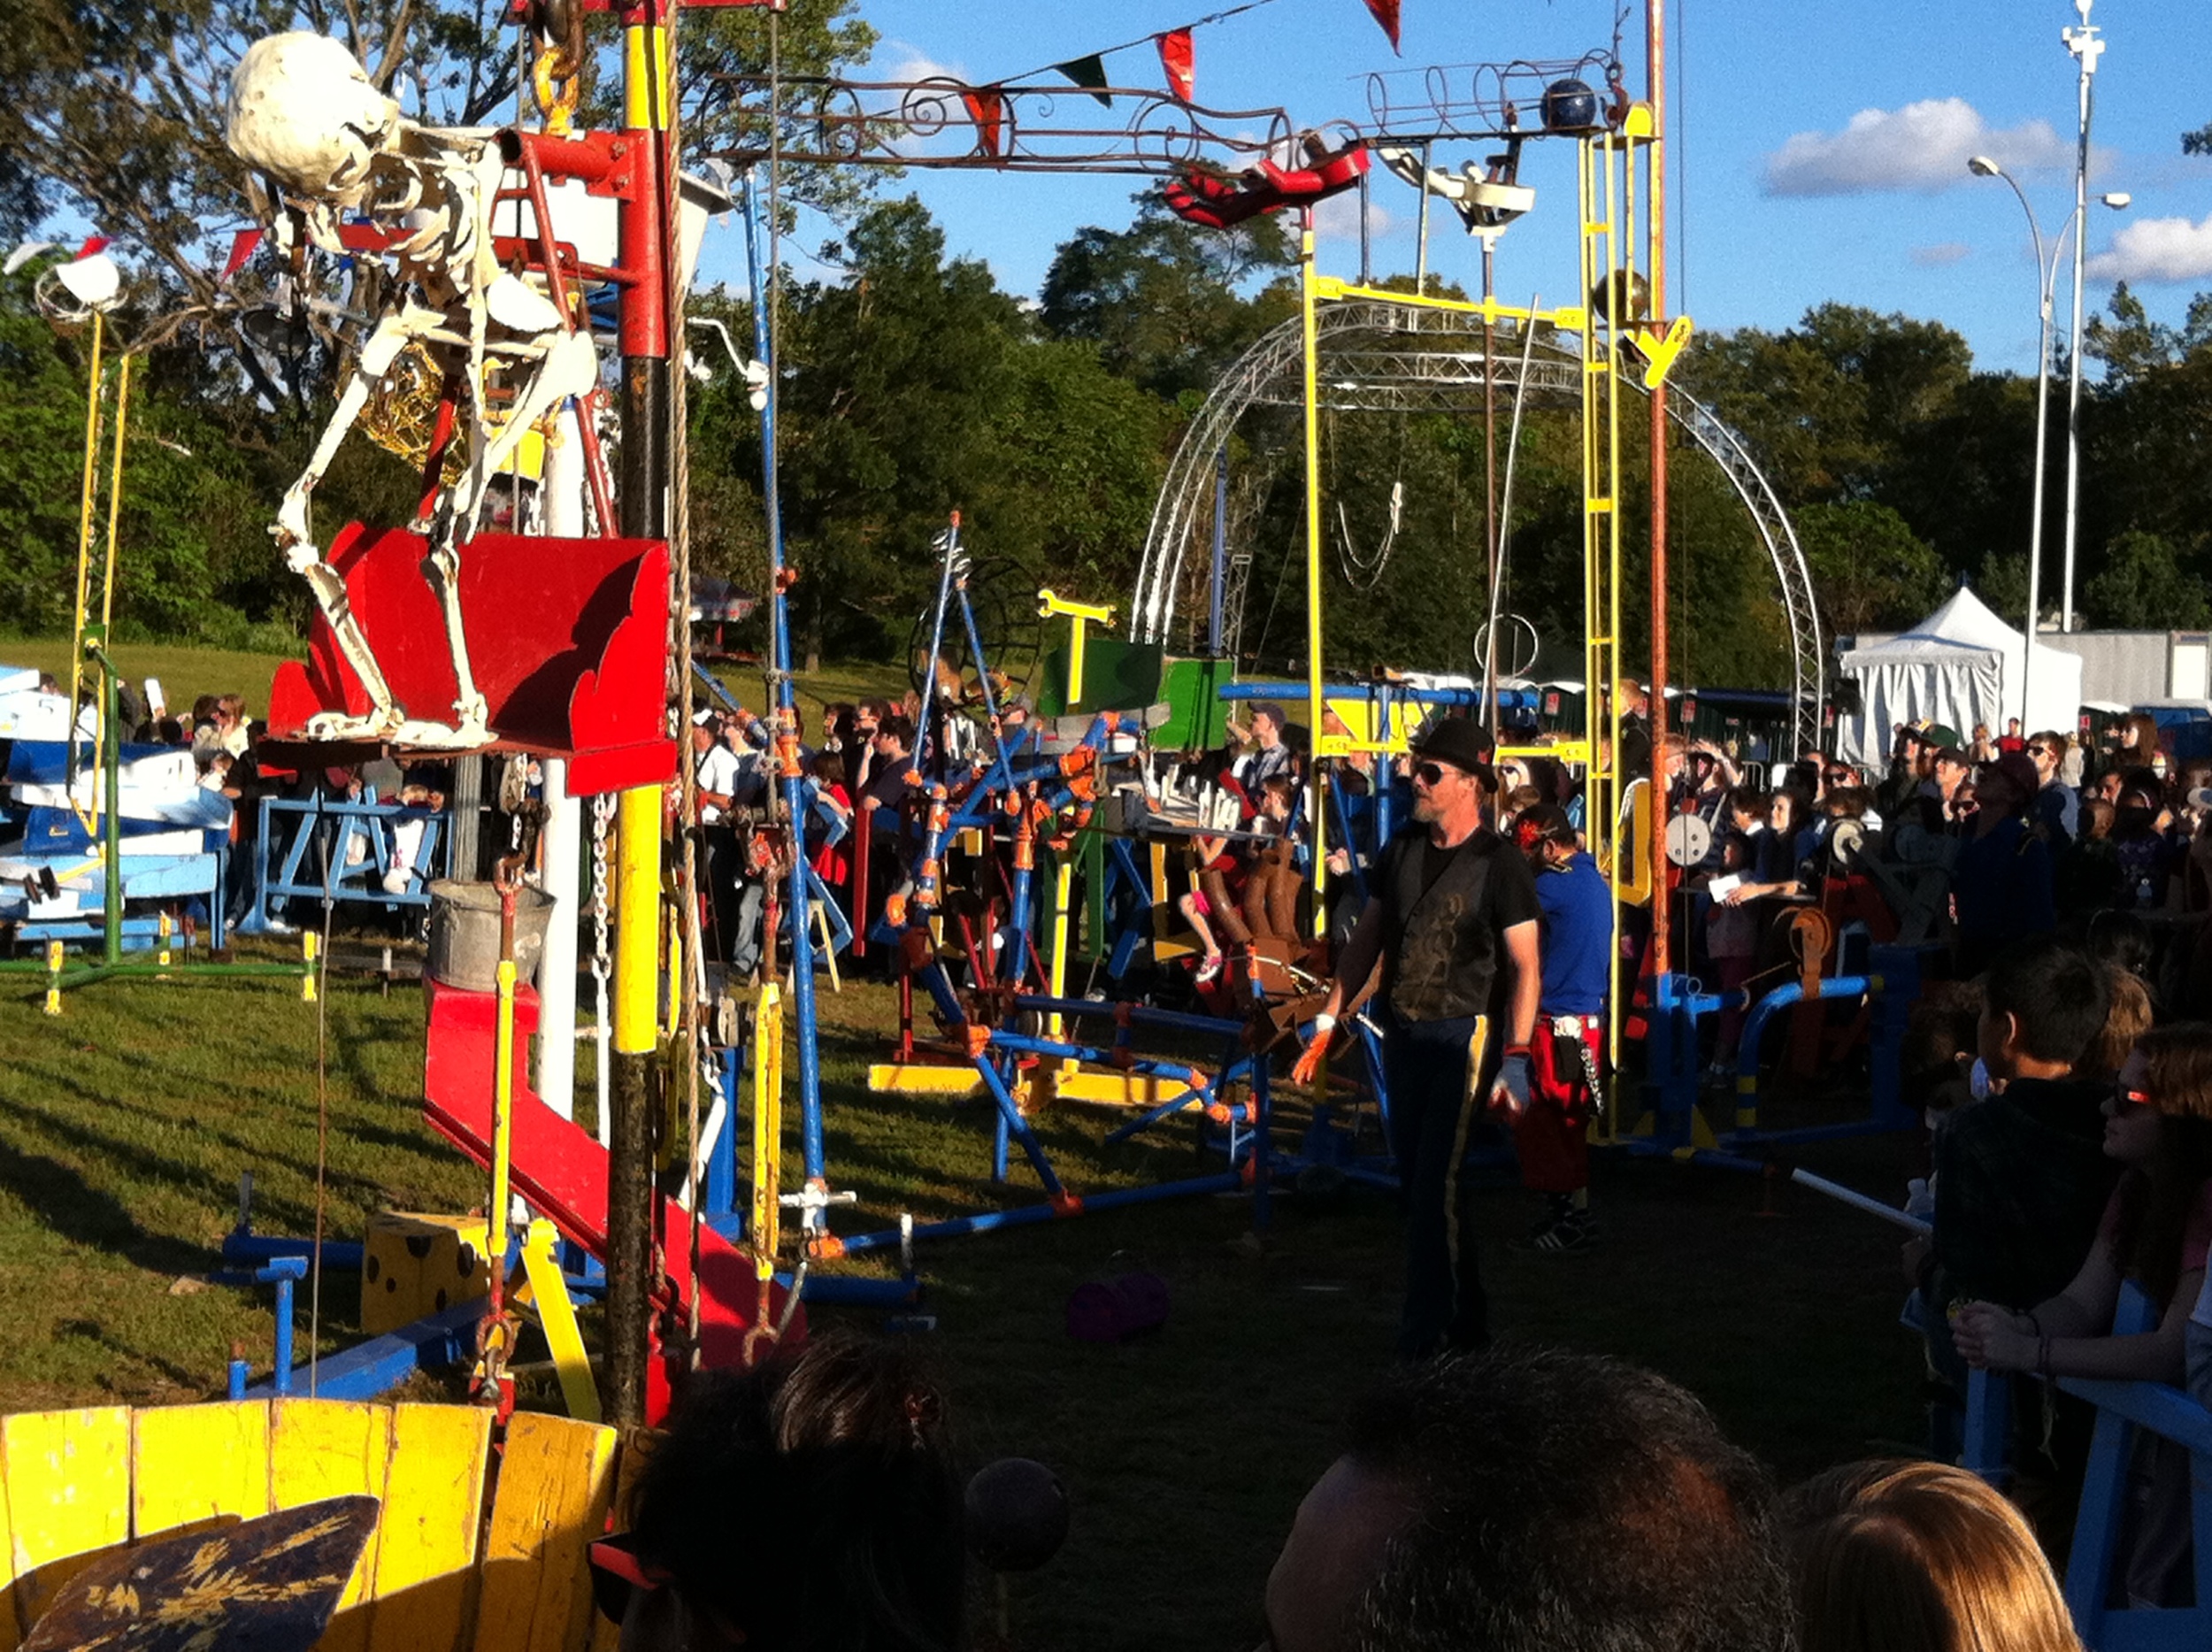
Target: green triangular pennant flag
(1089,73)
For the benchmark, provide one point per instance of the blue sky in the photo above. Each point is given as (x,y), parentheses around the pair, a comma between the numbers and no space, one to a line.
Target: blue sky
(1820,148)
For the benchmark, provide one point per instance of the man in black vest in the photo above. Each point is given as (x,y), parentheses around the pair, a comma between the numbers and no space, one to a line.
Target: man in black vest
(1449,896)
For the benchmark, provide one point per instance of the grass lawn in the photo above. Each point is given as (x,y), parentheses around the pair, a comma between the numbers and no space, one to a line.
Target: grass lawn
(185,672)
(126,1122)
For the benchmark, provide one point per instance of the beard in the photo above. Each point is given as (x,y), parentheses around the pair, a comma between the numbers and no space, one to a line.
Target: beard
(1425,809)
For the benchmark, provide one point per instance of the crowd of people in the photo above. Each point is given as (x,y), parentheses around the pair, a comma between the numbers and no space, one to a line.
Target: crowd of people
(1521,1500)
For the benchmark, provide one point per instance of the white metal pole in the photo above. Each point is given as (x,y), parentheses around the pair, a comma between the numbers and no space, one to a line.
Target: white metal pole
(560,845)
(2086,49)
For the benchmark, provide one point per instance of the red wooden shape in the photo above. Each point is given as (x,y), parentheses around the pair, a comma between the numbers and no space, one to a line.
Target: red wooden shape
(562,1171)
(567,638)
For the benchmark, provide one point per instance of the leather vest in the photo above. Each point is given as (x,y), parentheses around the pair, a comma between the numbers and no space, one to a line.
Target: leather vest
(1443,958)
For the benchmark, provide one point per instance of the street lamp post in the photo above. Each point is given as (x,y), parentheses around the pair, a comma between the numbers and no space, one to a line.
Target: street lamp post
(2086,49)
(2046,281)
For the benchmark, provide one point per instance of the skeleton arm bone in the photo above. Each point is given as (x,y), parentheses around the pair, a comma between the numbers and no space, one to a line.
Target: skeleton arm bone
(393,334)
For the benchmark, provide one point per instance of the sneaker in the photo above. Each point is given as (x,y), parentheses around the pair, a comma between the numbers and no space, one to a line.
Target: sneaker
(1567,1236)
(1209,970)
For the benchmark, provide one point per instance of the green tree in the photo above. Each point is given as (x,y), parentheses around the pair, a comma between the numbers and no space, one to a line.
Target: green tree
(1160,299)
(1869,571)
(2143,587)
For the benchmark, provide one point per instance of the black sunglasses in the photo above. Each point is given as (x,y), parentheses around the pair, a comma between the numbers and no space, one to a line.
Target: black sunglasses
(1429,773)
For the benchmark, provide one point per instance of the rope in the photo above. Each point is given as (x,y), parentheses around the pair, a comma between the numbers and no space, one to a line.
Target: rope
(322,1129)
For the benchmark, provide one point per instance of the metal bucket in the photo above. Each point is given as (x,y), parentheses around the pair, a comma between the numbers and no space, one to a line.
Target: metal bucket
(465,934)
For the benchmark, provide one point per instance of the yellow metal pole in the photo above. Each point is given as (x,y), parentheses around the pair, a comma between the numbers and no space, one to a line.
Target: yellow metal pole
(503,1111)
(1310,316)
(115,490)
(84,558)
(637,920)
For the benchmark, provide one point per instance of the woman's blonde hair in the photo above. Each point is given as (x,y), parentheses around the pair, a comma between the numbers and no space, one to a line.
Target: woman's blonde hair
(1899,1556)
(2127,1020)
(2178,1068)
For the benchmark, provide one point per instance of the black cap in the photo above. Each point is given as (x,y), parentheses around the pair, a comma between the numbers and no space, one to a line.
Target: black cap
(1460,742)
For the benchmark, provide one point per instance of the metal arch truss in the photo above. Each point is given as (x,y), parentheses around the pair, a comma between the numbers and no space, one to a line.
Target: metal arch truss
(1383,358)
(1478,101)
(947,123)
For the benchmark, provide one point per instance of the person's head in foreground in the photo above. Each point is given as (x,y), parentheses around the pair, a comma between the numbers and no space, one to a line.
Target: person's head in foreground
(1900,1557)
(1532,1500)
(805,1506)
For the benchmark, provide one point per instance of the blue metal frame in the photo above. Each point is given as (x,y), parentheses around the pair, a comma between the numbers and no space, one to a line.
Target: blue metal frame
(293,868)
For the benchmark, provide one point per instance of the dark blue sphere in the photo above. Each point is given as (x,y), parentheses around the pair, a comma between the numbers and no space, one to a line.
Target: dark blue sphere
(1570,106)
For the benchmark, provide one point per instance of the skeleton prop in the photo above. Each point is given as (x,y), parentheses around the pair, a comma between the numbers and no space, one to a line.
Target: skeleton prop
(323,142)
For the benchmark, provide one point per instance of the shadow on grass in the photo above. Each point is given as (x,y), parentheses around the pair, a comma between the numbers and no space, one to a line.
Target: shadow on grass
(71,1207)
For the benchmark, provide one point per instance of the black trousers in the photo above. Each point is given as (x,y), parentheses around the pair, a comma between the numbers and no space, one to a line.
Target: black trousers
(1437,1072)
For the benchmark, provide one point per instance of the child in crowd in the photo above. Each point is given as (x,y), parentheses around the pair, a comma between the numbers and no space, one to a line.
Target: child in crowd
(2021,1177)
(1901,1556)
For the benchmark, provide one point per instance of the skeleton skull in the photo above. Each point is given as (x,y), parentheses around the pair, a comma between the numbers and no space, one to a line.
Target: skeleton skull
(303,111)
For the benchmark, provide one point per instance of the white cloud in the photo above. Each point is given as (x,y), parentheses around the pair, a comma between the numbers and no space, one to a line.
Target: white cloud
(896,60)
(1337,218)
(2156,250)
(1942,254)
(1923,146)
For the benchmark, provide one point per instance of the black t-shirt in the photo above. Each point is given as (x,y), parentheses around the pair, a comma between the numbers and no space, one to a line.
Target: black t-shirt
(1444,914)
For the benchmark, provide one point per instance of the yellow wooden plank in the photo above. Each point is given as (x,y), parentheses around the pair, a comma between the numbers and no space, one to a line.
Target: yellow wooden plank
(68,1475)
(192,1463)
(320,1449)
(11,1626)
(914,1078)
(425,1578)
(556,1478)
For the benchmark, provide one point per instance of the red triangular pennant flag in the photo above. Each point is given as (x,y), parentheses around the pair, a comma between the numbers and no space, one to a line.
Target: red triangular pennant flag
(987,107)
(1175,57)
(93,243)
(1387,14)
(243,245)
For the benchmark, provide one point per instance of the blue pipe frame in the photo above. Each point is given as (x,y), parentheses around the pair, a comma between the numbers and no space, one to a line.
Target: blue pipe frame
(815,1154)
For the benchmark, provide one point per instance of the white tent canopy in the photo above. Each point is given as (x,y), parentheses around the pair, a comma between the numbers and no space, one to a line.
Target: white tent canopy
(1961,665)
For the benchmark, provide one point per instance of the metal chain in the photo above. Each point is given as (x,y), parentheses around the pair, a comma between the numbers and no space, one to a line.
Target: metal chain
(601,818)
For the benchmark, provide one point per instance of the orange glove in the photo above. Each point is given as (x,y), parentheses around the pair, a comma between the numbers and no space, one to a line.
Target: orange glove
(1308,1064)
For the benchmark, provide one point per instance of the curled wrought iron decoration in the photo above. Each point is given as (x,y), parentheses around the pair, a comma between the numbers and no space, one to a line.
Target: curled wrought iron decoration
(1479,101)
(881,123)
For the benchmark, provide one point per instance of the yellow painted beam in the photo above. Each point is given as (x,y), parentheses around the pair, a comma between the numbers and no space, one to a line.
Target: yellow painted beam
(637,919)
(556,1318)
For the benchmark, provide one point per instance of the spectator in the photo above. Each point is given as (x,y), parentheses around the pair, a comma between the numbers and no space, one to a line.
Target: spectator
(2001,884)
(2021,1178)
(2088,877)
(1272,885)
(1263,755)
(2156,1231)
(846,1441)
(1901,1556)
(1530,1499)
(1731,928)
(714,778)
(2011,739)
(1635,731)
(1953,769)
(2057,805)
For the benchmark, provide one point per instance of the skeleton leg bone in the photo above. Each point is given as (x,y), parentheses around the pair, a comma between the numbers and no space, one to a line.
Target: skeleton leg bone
(569,366)
(295,539)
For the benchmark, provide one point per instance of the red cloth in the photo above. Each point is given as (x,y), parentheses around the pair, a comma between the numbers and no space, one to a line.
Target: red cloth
(833,862)
(1552,1134)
